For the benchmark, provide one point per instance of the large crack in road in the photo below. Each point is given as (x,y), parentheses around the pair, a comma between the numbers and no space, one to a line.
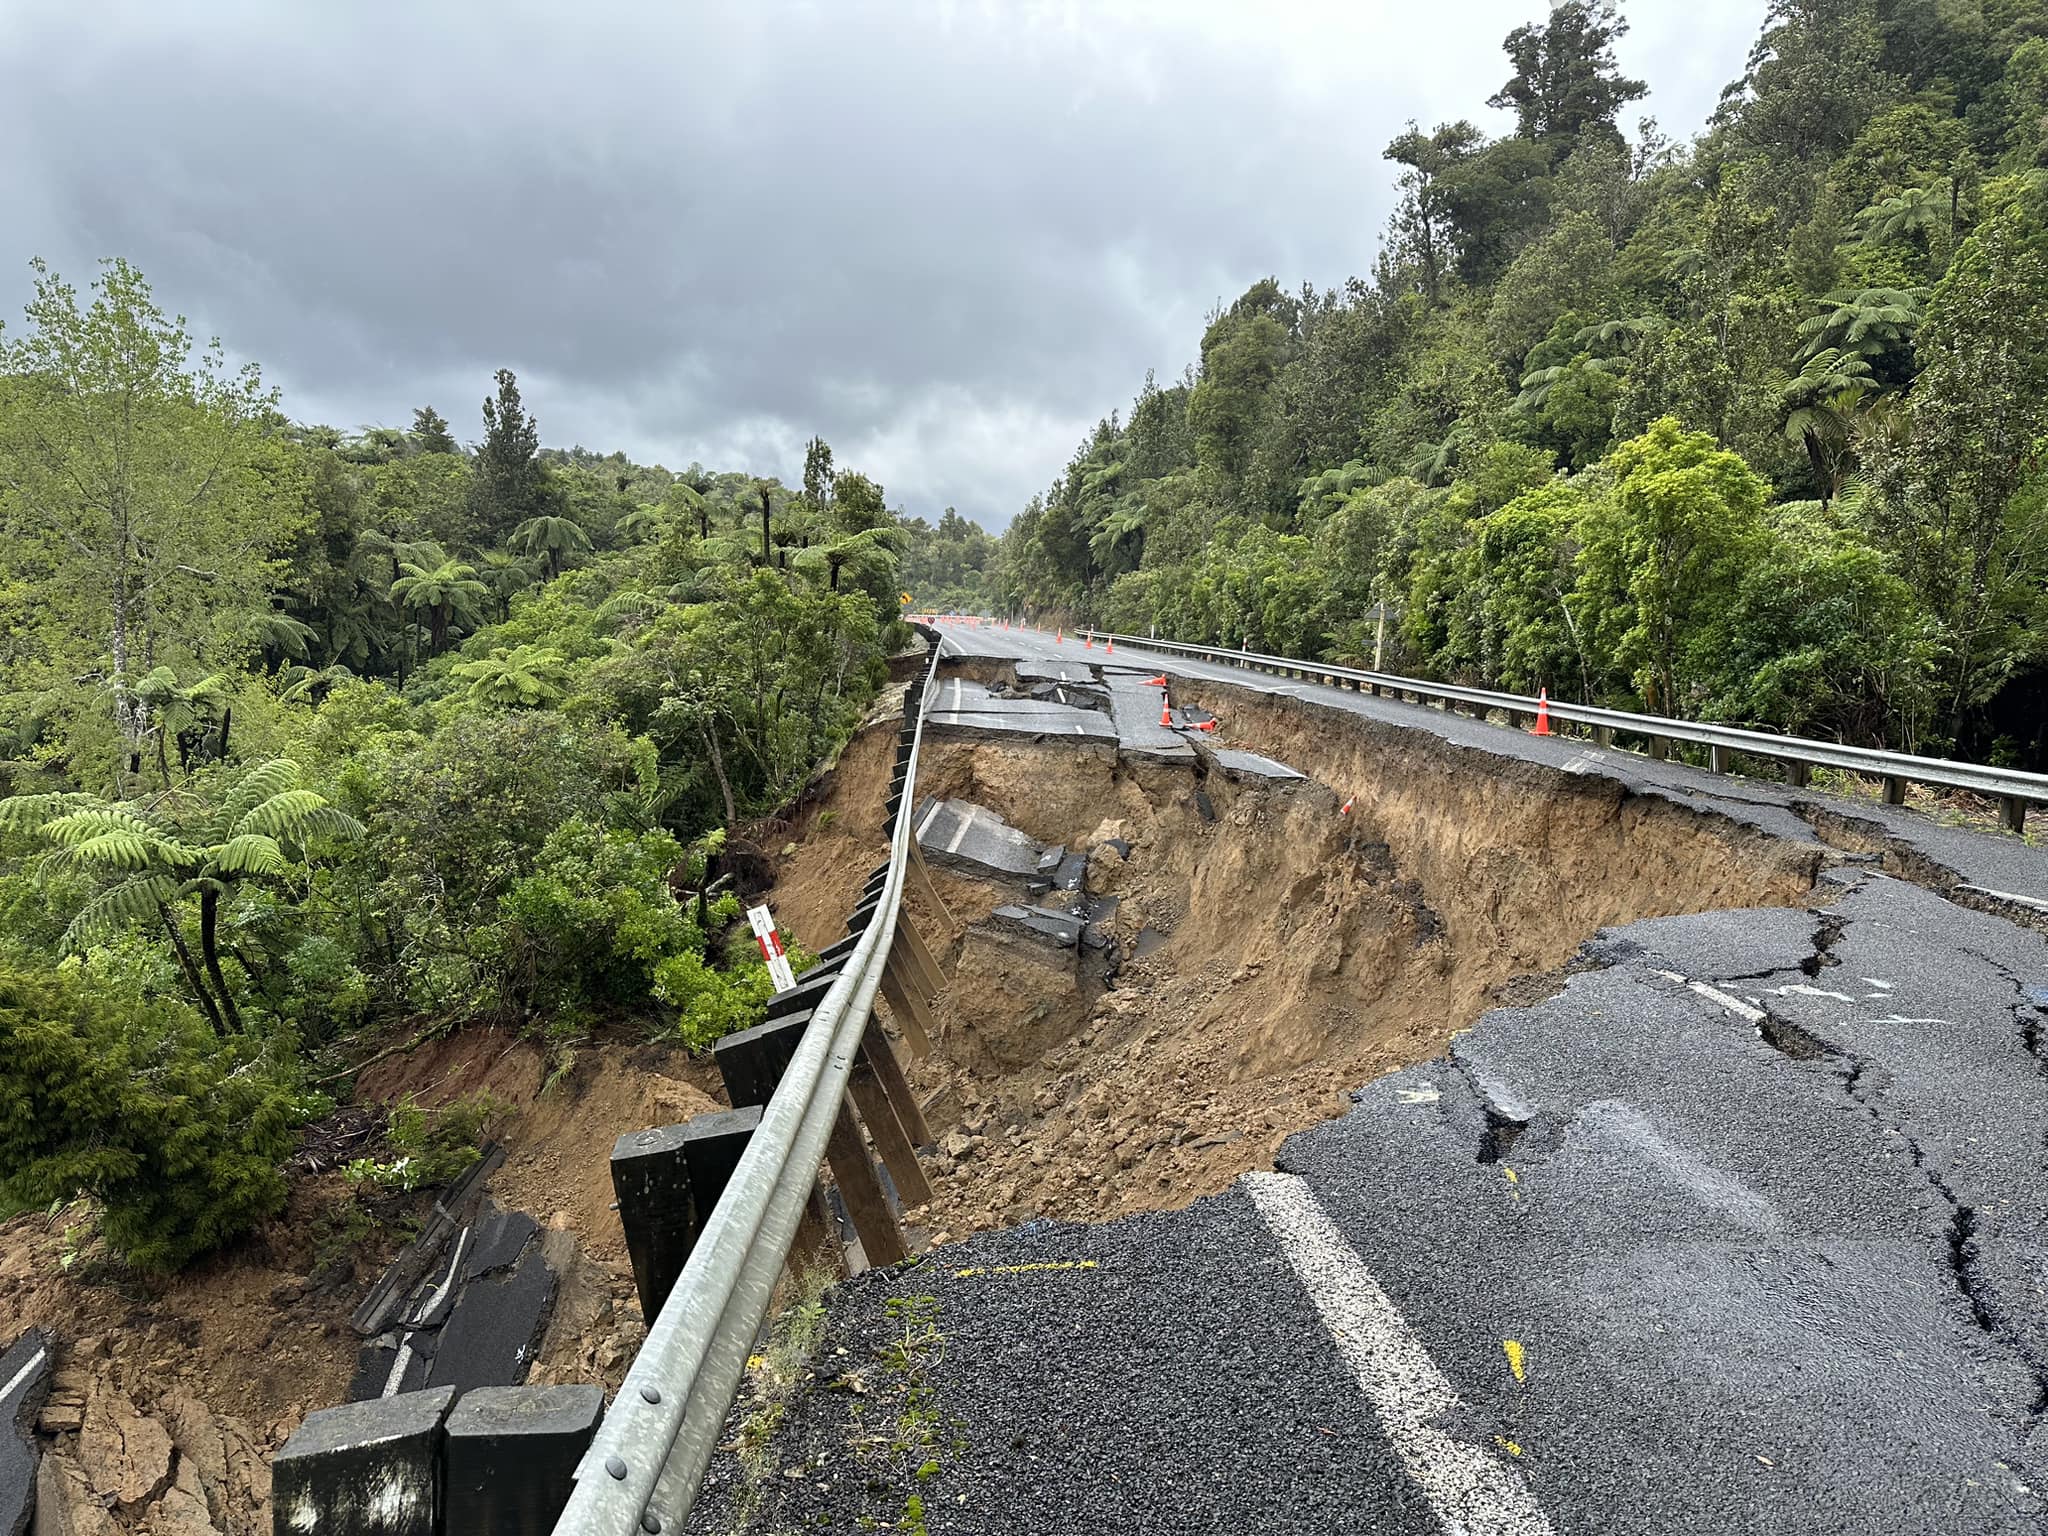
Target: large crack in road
(1707,1178)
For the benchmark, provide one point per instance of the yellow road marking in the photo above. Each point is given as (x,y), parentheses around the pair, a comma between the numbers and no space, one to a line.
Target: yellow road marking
(1024,1269)
(1507,1445)
(1515,1363)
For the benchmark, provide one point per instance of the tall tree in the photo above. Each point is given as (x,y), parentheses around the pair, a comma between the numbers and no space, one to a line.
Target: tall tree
(1566,86)
(510,483)
(130,467)
(818,472)
(430,432)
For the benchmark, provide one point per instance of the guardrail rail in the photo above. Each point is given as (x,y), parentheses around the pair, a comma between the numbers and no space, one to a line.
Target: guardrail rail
(2013,789)
(646,1465)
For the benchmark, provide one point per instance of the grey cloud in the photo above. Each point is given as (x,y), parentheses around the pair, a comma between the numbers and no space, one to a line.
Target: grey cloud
(948,236)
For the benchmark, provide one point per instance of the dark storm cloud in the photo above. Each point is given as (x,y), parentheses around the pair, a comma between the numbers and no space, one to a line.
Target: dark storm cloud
(947,236)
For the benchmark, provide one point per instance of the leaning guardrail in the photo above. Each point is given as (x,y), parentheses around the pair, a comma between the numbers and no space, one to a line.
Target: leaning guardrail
(2013,789)
(645,1466)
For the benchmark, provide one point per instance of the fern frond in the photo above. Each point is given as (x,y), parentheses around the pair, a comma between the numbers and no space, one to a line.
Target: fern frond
(250,854)
(31,813)
(296,814)
(117,907)
(261,783)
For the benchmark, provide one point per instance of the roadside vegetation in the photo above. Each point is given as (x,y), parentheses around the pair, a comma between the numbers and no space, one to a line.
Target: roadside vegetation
(1753,430)
(310,741)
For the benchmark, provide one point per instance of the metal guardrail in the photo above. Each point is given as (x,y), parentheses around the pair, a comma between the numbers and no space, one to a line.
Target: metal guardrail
(645,1468)
(2012,788)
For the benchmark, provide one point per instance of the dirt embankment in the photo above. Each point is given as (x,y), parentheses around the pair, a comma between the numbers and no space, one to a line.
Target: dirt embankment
(1274,953)
(169,1397)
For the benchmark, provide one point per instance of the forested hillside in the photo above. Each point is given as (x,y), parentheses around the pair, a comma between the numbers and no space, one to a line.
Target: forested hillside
(306,736)
(1751,430)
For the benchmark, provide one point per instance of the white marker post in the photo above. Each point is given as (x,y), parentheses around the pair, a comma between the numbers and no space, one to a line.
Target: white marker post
(771,948)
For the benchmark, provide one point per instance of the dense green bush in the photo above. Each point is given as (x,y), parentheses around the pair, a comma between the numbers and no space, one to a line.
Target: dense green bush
(176,1134)
(595,918)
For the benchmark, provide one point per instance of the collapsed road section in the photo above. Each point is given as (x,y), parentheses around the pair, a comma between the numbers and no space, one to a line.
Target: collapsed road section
(1587,1149)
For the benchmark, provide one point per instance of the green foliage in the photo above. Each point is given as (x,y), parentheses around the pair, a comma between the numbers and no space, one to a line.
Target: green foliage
(596,918)
(1804,345)
(430,1148)
(179,1137)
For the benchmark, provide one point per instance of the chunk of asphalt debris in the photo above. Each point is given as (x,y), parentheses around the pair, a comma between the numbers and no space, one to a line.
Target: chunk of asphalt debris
(24,1383)
(1252,766)
(1060,928)
(975,839)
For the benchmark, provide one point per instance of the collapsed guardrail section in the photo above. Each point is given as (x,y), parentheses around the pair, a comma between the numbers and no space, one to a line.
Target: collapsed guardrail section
(713,1211)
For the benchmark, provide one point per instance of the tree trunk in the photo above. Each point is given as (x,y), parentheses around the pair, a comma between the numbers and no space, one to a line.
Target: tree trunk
(190,967)
(767,516)
(732,814)
(209,948)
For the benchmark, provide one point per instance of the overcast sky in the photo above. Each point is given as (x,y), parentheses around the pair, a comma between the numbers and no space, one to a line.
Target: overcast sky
(948,236)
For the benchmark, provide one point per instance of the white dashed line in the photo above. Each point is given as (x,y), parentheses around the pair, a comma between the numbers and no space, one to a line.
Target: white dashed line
(35,1362)
(1471,1491)
(1734,1005)
(965,822)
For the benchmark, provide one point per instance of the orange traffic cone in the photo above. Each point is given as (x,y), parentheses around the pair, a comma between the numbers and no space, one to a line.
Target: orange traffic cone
(1089,643)
(1542,726)
(1059,636)
(1156,682)
(1112,647)
(1345,808)
(1165,712)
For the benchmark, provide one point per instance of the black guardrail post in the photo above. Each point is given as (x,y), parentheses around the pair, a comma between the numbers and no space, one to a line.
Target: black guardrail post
(511,1457)
(363,1469)
(668,1180)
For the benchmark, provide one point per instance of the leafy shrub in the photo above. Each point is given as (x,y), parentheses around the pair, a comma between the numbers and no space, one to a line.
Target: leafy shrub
(178,1135)
(326,987)
(712,1003)
(595,918)
(432,1147)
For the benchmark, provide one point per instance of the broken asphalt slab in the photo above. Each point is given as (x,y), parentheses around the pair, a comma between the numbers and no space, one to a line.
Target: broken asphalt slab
(24,1382)
(977,841)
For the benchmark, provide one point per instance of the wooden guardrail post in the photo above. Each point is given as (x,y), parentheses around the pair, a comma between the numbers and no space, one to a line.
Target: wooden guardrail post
(921,872)
(886,1129)
(922,962)
(881,1054)
(1894,790)
(1718,758)
(364,1469)
(2012,811)
(752,1063)
(912,1013)
(1798,775)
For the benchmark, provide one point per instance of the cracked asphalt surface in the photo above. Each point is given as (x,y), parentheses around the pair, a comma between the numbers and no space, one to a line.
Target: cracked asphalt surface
(1743,1230)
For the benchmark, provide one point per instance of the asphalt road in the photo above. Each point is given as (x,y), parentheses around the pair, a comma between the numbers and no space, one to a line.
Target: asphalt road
(1746,1230)
(24,1382)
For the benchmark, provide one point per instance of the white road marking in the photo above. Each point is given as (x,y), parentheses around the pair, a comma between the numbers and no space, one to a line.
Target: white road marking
(34,1362)
(1471,1491)
(1426,1094)
(956,695)
(1734,1005)
(440,1292)
(1803,990)
(1080,731)
(965,822)
(929,817)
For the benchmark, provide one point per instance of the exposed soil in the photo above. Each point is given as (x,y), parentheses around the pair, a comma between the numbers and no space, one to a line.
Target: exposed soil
(169,1397)
(1289,952)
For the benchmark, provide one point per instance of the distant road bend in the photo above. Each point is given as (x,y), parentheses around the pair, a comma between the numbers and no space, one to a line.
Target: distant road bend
(1744,1228)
